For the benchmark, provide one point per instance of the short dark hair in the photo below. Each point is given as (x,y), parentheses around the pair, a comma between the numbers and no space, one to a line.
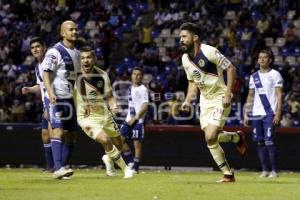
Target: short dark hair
(138,69)
(269,52)
(37,39)
(88,49)
(266,51)
(191,27)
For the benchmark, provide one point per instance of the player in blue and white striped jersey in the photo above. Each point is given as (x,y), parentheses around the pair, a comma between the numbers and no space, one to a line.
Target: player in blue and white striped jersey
(133,126)
(38,50)
(60,65)
(265,102)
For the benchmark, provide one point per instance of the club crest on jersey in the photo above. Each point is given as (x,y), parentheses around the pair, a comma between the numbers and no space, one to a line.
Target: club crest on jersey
(201,63)
(99,84)
(196,75)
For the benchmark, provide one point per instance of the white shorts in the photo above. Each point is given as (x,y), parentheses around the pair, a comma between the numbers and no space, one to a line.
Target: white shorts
(93,126)
(213,112)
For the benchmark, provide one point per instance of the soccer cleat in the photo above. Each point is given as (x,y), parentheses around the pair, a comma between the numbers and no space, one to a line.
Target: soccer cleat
(128,173)
(273,174)
(71,172)
(109,165)
(62,172)
(227,179)
(66,178)
(263,174)
(241,145)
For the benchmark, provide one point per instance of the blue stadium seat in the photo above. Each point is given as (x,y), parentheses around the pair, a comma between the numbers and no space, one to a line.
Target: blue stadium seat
(143,7)
(256,15)
(155,33)
(99,52)
(132,5)
(119,33)
(126,26)
(120,69)
(297,51)
(22,68)
(297,123)
(161,79)
(284,51)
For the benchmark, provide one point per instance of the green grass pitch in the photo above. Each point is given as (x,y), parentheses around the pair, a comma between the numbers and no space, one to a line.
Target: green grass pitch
(90,184)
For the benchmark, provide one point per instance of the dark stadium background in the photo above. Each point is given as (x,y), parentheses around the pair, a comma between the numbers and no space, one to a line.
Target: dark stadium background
(126,34)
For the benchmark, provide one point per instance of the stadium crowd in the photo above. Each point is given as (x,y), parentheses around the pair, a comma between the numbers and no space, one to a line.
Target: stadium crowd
(126,34)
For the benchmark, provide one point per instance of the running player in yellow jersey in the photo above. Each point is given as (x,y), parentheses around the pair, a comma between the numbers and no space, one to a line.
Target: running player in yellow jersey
(95,104)
(204,65)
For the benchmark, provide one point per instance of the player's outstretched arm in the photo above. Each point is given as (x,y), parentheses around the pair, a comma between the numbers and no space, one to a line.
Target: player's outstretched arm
(33,89)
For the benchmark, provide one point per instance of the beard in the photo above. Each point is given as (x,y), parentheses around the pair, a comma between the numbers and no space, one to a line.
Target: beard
(186,48)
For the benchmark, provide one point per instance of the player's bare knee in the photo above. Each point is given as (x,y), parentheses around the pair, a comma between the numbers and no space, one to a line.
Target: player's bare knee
(45,136)
(103,139)
(57,133)
(211,139)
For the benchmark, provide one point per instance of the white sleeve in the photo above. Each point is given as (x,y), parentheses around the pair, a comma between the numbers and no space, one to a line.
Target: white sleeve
(220,60)
(50,61)
(145,95)
(278,80)
(251,83)
(184,61)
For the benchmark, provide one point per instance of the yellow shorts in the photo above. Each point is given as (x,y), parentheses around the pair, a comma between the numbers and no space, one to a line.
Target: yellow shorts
(93,126)
(213,112)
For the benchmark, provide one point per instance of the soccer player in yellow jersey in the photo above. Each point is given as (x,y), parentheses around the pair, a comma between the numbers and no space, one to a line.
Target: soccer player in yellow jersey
(95,104)
(204,65)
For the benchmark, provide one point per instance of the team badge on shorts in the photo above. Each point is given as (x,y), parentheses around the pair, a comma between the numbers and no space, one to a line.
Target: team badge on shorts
(58,114)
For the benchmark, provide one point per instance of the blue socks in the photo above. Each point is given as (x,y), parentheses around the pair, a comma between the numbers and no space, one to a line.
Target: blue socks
(67,150)
(272,156)
(48,155)
(136,165)
(128,156)
(56,145)
(262,154)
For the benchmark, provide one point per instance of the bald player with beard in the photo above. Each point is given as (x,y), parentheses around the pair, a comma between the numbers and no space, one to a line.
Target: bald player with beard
(61,65)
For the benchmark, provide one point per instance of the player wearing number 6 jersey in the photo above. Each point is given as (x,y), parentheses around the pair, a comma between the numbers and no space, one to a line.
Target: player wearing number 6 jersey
(95,104)
(265,103)
(60,65)
(204,65)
